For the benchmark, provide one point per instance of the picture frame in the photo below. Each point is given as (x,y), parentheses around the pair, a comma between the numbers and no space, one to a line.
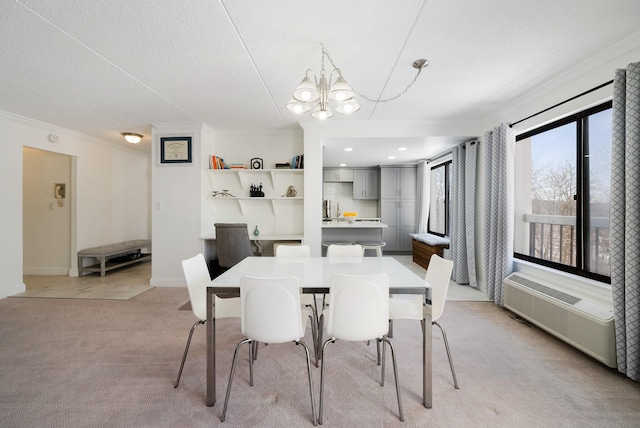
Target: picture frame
(175,150)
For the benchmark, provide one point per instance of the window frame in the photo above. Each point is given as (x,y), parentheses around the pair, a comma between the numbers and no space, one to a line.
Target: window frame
(447,198)
(581,120)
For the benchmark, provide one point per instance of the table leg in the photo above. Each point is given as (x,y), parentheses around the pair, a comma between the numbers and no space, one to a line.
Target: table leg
(427,361)
(211,349)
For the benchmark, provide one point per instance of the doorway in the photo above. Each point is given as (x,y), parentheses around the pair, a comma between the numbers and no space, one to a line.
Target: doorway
(47,211)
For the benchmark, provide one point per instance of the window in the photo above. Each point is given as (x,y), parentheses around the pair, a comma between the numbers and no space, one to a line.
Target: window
(440,180)
(562,189)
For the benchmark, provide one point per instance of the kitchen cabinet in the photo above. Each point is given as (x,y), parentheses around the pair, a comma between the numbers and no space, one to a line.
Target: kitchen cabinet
(398,206)
(338,175)
(365,184)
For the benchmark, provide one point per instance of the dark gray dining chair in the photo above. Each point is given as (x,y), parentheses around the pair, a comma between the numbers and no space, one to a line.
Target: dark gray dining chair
(233,244)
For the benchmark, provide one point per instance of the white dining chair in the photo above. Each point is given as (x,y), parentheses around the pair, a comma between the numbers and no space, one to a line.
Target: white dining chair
(270,313)
(197,276)
(294,252)
(358,311)
(411,307)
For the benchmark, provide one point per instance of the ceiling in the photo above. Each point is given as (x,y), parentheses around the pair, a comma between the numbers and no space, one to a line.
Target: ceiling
(105,67)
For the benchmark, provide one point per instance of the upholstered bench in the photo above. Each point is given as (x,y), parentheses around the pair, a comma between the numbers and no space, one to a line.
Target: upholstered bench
(114,256)
(425,245)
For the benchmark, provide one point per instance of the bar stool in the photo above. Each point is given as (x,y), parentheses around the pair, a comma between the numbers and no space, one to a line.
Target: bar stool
(377,246)
(325,245)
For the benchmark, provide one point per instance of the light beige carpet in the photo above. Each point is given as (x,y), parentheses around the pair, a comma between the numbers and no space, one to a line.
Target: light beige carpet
(112,363)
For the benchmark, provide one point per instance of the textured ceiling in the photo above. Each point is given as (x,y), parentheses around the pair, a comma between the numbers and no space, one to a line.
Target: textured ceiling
(103,67)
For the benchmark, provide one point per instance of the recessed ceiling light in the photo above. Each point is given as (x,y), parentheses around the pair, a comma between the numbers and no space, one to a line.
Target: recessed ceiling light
(348,149)
(343,164)
(402,149)
(391,157)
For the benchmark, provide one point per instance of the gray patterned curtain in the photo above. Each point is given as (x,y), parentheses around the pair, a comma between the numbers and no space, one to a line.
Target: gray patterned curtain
(463,213)
(625,218)
(499,208)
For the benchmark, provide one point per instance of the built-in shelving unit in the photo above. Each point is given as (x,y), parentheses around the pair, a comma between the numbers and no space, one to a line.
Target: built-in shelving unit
(238,181)
(245,175)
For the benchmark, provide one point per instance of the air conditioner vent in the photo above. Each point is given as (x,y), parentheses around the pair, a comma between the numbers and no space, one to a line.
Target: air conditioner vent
(556,294)
(577,319)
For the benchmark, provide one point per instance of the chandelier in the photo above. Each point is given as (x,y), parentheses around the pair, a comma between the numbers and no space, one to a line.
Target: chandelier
(316,94)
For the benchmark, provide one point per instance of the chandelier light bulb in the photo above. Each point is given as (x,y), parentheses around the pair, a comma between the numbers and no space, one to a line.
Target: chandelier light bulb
(305,95)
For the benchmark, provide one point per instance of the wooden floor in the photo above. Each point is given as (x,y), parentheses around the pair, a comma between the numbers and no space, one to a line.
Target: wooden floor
(119,284)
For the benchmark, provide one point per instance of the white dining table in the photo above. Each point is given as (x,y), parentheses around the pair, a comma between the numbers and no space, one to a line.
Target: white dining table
(314,275)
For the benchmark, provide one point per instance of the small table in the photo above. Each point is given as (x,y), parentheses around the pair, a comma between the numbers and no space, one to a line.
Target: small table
(314,275)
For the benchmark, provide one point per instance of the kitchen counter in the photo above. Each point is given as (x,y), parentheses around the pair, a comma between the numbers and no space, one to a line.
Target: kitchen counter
(342,224)
(358,231)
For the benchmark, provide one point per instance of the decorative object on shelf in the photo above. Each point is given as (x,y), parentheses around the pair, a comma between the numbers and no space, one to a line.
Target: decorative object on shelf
(224,192)
(291,192)
(256,191)
(257,163)
(256,232)
(175,150)
(286,165)
(318,93)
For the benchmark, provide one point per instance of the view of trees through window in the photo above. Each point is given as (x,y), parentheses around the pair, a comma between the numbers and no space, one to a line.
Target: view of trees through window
(563,173)
(439,202)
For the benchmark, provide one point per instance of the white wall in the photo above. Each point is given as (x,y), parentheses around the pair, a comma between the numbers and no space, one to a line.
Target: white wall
(176,204)
(109,192)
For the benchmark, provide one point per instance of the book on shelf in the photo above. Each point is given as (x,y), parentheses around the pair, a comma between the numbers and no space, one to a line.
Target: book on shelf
(297,162)
(218,163)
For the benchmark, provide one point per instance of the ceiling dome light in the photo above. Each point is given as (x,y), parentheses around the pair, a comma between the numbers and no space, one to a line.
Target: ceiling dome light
(131,137)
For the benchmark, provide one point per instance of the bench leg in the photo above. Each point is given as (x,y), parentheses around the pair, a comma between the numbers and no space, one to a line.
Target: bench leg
(103,263)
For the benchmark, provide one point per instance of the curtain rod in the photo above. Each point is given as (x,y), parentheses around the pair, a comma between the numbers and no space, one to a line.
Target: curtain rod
(563,102)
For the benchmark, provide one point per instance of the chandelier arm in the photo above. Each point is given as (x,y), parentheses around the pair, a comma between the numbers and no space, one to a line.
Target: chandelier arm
(377,100)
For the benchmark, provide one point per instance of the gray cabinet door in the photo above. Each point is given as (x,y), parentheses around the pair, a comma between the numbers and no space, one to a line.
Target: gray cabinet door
(365,184)
(338,175)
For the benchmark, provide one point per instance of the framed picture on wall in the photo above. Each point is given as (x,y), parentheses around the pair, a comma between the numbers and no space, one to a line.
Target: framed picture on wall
(175,150)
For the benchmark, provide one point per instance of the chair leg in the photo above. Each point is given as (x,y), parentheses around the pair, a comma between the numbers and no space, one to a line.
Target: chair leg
(186,350)
(233,369)
(384,351)
(253,349)
(395,374)
(446,346)
(313,400)
(314,329)
(322,380)
(319,339)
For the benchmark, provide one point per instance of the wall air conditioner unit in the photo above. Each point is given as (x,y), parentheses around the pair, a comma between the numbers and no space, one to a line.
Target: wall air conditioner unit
(582,322)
